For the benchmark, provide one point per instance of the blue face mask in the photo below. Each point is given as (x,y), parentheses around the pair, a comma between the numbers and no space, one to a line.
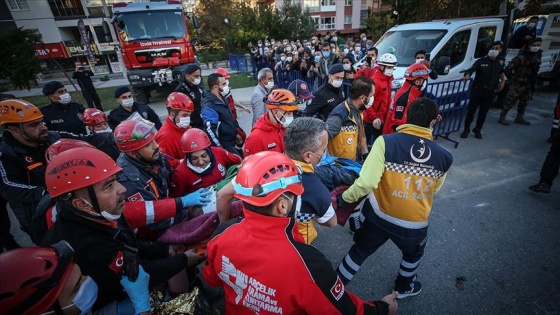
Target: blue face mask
(326,54)
(317,58)
(86,296)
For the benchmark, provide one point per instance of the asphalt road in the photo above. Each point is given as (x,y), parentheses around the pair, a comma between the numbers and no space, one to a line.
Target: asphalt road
(486,228)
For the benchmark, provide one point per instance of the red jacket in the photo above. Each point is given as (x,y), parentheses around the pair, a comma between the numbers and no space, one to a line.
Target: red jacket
(367,72)
(185,180)
(399,106)
(169,140)
(265,136)
(265,268)
(382,97)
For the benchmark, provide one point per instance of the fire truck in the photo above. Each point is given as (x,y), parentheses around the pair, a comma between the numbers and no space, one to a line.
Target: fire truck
(154,43)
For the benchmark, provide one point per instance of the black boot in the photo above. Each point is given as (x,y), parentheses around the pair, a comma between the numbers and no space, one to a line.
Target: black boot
(541,188)
(465,133)
(521,120)
(477,133)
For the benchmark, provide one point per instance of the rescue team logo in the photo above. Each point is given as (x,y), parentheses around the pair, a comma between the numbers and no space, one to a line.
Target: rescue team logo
(117,264)
(72,163)
(271,145)
(222,169)
(419,155)
(337,290)
(28,159)
(194,145)
(136,197)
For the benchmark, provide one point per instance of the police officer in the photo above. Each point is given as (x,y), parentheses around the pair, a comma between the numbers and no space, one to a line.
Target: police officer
(62,114)
(128,106)
(83,75)
(193,88)
(329,95)
(490,77)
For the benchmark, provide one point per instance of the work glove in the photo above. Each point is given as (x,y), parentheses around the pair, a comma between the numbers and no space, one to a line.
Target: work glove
(341,203)
(377,123)
(138,291)
(197,198)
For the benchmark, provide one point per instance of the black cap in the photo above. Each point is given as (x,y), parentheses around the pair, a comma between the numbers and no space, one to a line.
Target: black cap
(336,68)
(51,87)
(498,42)
(121,90)
(534,40)
(191,68)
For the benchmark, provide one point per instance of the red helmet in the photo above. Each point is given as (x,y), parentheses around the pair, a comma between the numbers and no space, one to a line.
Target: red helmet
(18,111)
(33,277)
(179,101)
(194,140)
(93,116)
(64,145)
(264,176)
(283,99)
(78,168)
(132,135)
(415,71)
(223,72)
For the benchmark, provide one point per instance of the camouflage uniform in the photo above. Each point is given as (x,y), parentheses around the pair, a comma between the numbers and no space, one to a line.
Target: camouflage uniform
(522,70)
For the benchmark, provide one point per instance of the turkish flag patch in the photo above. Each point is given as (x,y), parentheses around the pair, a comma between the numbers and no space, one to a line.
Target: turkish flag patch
(117,264)
(136,197)
(338,289)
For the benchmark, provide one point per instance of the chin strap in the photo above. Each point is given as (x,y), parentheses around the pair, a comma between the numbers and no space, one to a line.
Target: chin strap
(93,199)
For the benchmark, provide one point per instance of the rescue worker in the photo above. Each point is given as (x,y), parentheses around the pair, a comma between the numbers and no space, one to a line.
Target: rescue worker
(145,173)
(91,221)
(62,114)
(400,176)
(97,123)
(202,165)
(232,106)
(303,96)
(179,108)
(522,71)
(269,184)
(374,117)
(345,124)
(415,76)
(490,78)
(329,95)
(218,118)
(128,106)
(306,141)
(268,132)
(265,85)
(193,88)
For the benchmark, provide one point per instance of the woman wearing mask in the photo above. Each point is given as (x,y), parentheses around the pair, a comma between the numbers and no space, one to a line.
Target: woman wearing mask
(349,70)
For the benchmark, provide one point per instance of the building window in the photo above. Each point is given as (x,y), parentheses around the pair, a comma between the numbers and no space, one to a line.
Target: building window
(347,19)
(348,2)
(18,5)
(327,23)
(327,2)
(66,8)
(312,5)
(363,18)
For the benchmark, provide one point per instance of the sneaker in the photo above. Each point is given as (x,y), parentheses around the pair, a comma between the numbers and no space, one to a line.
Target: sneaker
(354,222)
(415,289)
(541,188)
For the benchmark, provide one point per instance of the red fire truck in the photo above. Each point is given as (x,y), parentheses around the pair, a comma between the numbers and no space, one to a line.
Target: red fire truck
(154,43)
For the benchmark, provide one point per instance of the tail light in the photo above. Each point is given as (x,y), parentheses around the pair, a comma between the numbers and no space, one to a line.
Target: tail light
(141,58)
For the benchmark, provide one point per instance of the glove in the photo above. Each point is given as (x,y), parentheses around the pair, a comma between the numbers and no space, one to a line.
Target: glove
(138,291)
(377,123)
(341,203)
(197,198)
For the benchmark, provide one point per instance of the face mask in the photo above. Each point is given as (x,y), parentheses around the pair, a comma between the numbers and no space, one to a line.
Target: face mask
(269,85)
(197,169)
(260,45)
(364,38)
(531,25)
(106,130)
(337,83)
(326,54)
(65,98)
(197,81)
(333,51)
(283,58)
(420,60)
(535,48)
(288,49)
(110,217)
(317,58)
(357,48)
(288,59)
(423,87)
(227,82)
(368,46)
(86,296)
(334,39)
(313,41)
(347,66)
(493,53)
(370,102)
(184,122)
(128,102)
(388,72)
(225,91)
(287,121)
(346,51)
(303,106)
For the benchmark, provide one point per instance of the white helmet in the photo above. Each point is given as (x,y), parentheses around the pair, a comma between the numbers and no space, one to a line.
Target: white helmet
(387,60)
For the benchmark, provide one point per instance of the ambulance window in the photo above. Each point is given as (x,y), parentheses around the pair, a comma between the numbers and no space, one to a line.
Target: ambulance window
(486,36)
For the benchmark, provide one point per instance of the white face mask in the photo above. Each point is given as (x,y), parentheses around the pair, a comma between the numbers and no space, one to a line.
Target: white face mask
(108,216)
(346,51)
(535,48)
(420,60)
(337,83)
(225,91)
(288,59)
(270,85)
(334,39)
(347,66)
(370,102)
(357,48)
(197,81)
(303,106)
(196,169)
(424,85)
(128,102)
(86,296)
(65,98)
(388,72)
(184,122)
(106,130)
(493,53)
(283,58)
(287,121)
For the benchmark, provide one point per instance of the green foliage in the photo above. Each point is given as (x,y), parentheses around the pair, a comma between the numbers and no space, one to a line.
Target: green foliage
(426,10)
(19,63)
(104,78)
(211,55)
(536,7)
(378,24)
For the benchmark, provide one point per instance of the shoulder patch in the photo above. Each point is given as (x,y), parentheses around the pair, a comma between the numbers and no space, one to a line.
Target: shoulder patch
(337,289)
(136,197)
(117,264)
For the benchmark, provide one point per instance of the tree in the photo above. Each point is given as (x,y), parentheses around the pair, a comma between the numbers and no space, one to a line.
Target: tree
(19,63)
(378,23)
(293,21)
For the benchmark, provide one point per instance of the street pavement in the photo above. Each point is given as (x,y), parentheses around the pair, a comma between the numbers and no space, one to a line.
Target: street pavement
(493,246)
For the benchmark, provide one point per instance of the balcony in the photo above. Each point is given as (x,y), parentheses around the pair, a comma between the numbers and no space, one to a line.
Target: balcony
(66,9)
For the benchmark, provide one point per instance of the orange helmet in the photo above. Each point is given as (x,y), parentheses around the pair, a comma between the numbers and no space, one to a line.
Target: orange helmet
(415,71)
(282,99)
(264,176)
(134,134)
(64,145)
(18,111)
(194,140)
(223,72)
(93,116)
(33,277)
(179,101)
(78,168)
